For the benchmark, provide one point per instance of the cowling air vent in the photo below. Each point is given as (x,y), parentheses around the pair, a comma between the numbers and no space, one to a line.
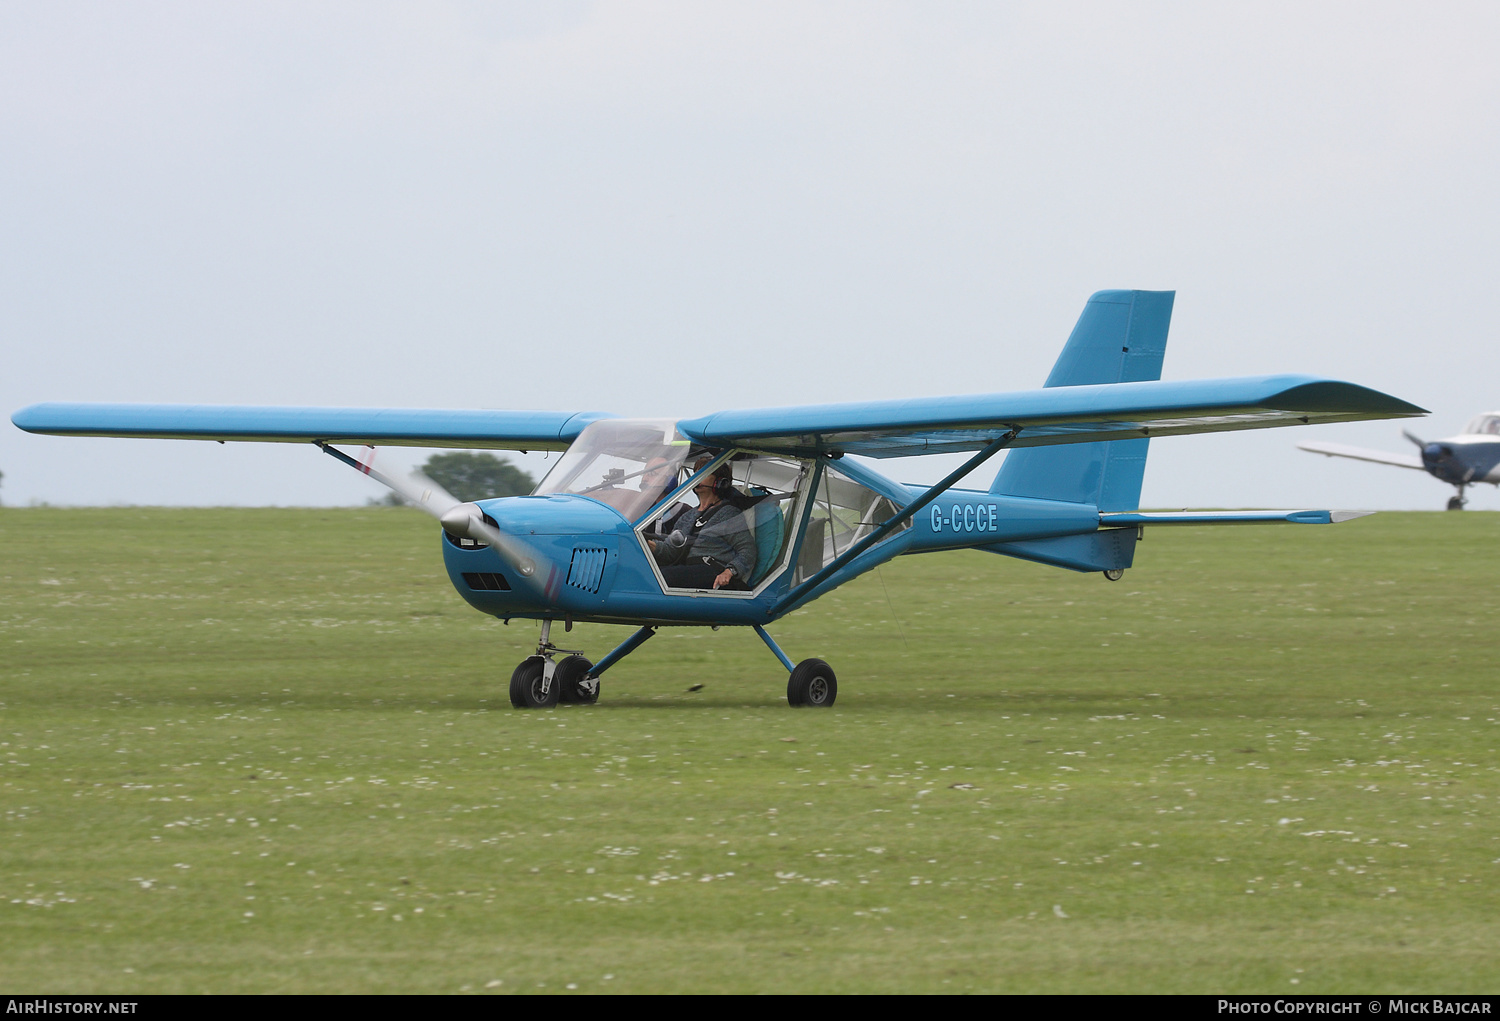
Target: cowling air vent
(486,581)
(587,567)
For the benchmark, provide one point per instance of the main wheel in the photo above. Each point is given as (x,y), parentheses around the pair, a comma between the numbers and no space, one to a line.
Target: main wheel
(1455,503)
(568,680)
(526,686)
(812,684)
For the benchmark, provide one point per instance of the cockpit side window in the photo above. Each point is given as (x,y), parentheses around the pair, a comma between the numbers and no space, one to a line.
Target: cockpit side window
(843,513)
(753,515)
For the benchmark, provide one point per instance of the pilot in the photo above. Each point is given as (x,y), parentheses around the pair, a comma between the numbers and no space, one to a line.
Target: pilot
(719,551)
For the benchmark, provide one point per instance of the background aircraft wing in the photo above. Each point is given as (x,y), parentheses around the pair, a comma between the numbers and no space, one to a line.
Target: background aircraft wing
(1062,414)
(1363,454)
(411,427)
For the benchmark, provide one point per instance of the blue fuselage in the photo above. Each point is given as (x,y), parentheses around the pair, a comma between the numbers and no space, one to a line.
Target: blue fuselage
(595,566)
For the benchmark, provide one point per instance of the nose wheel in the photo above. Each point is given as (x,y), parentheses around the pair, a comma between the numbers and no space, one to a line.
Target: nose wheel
(530,685)
(540,682)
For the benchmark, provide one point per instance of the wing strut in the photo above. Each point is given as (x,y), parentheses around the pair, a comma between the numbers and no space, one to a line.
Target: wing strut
(457,518)
(891,524)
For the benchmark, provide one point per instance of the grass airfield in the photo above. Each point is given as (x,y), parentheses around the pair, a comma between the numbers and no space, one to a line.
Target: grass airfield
(272,751)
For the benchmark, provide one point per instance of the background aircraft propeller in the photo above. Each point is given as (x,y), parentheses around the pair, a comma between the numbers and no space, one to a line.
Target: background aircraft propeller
(1433,454)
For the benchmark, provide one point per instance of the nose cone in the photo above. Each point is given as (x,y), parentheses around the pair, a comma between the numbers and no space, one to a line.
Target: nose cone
(456,520)
(1446,463)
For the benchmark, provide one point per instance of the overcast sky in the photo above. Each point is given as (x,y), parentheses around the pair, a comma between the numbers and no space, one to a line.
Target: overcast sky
(664,209)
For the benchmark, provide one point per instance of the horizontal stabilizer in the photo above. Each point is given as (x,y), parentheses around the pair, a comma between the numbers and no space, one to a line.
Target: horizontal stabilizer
(411,427)
(1364,454)
(1236,517)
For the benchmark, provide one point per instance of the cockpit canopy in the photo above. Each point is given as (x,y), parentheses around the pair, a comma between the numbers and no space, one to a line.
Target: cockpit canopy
(1487,424)
(627,463)
(635,465)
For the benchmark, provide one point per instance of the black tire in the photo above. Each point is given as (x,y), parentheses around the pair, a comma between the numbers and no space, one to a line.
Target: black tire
(1455,503)
(567,680)
(526,686)
(812,684)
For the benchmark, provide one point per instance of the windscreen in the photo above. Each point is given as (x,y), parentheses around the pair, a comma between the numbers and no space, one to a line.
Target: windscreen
(628,464)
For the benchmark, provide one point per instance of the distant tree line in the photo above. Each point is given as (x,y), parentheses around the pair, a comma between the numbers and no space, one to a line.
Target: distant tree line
(472,477)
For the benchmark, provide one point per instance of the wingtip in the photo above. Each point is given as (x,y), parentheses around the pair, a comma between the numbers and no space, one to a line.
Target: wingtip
(26,418)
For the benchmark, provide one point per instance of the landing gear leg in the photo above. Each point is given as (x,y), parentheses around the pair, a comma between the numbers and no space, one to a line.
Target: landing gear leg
(588,680)
(1457,502)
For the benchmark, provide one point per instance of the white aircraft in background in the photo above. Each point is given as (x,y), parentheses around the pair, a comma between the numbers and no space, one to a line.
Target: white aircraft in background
(1460,461)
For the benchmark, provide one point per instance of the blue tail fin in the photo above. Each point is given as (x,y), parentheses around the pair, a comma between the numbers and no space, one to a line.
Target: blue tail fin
(1120,338)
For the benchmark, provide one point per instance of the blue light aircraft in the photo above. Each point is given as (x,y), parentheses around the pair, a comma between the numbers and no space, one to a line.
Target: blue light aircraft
(740,517)
(1473,456)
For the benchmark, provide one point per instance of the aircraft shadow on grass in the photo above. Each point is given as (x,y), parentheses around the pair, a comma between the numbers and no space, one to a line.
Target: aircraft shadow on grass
(740,517)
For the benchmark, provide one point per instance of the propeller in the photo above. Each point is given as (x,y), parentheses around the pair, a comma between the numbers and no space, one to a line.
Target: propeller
(1432,453)
(459,519)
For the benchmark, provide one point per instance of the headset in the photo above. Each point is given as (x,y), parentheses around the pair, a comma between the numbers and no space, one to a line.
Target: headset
(723,484)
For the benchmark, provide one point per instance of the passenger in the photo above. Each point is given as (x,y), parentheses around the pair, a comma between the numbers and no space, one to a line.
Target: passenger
(613,492)
(657,480)
(718,551)
(645,487)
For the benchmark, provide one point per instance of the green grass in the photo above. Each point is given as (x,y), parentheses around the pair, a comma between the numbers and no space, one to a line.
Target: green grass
(271,750)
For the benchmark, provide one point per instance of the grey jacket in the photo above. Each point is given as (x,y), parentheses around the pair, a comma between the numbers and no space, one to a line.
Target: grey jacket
(721,533)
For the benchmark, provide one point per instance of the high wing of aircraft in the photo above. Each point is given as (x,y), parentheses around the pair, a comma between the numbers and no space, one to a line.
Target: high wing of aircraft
(1472,456)
(740,517)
